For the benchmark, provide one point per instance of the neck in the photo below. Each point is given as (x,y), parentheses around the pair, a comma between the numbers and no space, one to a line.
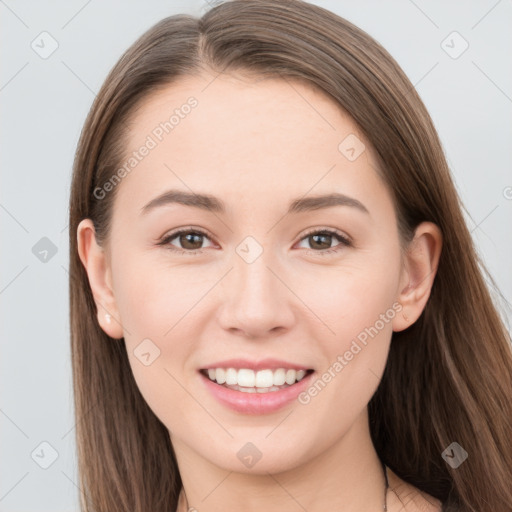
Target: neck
(347,476)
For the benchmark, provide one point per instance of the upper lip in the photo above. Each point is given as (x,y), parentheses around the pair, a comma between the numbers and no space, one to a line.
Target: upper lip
(262,364)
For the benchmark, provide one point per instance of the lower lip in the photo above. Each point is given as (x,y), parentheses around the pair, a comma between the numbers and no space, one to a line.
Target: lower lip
(256,403)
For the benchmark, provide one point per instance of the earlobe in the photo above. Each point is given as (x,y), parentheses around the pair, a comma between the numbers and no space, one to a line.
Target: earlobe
(95,262)
(420,267)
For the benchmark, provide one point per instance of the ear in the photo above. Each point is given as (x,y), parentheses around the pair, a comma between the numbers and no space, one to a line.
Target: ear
(96,264)
(419,270)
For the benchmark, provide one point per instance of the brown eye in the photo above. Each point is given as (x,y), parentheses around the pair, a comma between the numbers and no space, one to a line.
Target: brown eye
(188,240)
(320,242)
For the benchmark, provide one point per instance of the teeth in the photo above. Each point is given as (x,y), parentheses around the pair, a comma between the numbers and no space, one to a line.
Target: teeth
(246,378)
(261,381)
(220,375)
(231,377)
(256,390)
(290,376)
(279,377)
(265,379)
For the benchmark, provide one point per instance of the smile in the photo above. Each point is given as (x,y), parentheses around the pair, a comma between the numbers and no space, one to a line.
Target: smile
(249,381)
(258,390)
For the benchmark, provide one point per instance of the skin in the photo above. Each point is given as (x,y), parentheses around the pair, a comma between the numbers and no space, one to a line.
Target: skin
(257,144)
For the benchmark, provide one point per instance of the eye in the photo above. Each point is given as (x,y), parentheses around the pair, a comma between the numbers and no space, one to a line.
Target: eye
(190,239)
(320,241)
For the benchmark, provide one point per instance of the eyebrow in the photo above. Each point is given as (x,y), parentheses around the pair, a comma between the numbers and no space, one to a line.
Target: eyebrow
(214,204)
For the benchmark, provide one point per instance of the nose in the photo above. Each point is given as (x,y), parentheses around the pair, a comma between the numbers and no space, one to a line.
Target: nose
(256,300)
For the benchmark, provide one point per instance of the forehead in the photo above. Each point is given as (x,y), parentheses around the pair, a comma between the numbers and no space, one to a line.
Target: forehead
(239,135)
(242,115)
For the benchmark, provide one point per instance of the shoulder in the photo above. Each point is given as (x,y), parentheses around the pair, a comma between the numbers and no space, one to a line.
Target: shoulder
(405,497)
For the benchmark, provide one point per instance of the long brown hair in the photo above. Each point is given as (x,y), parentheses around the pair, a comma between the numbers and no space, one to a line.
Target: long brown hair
(448,377)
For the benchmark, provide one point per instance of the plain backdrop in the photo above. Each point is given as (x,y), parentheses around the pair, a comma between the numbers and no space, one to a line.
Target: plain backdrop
(45,99)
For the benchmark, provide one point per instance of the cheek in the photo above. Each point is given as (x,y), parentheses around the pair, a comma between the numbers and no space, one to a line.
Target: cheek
(358,303)
(155,307)
(153,297)
(351,297)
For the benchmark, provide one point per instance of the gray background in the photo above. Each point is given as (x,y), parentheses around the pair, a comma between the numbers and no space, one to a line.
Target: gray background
(44,103)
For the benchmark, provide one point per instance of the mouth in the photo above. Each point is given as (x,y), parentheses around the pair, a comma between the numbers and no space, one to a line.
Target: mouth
(255,392)
(247,380)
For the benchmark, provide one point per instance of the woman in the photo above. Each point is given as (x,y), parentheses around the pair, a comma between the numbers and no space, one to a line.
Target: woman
(331,344)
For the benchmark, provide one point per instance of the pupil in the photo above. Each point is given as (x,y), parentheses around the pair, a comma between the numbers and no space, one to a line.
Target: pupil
(320,236)
(191,242)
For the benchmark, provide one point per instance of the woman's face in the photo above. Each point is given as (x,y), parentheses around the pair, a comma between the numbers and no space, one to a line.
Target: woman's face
(266,276)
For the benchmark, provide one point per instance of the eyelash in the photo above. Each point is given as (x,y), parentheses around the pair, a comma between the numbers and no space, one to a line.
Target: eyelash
(343,239)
